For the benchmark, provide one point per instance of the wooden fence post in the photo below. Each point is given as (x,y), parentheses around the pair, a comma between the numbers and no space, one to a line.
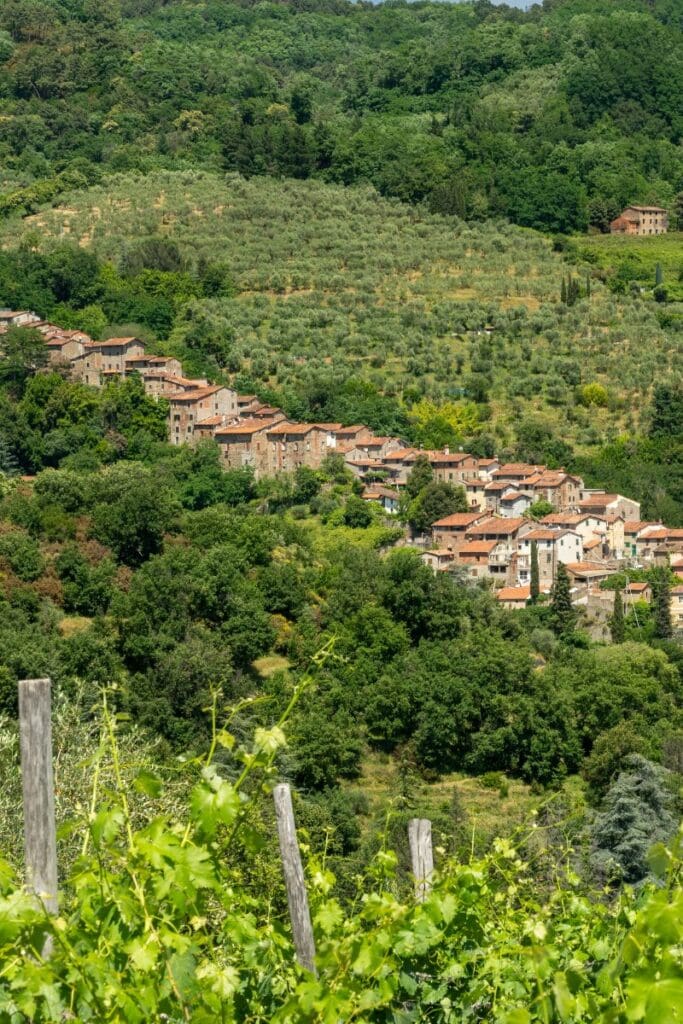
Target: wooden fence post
(422,859)
(297,897)
(40,837)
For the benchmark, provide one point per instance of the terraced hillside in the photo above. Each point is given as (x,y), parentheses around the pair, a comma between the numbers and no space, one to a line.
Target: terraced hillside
(332,283)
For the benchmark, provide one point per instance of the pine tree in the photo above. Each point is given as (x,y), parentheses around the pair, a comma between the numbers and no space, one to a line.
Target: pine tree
(636,814)
(561,601)
(534,588)
(617,625)
(563,292)
(661,602)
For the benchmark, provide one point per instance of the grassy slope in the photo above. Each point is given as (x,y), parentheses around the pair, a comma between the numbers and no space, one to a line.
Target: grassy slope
(329,277)
(642,254)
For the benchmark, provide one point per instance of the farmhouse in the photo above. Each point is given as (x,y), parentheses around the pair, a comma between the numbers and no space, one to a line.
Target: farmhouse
(640,220)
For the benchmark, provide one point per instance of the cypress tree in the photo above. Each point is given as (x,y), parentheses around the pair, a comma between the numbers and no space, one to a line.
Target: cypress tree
(617,625)
(534,588)
(563,292)
(659,276)
(561,601)
(588,286)
(661,602)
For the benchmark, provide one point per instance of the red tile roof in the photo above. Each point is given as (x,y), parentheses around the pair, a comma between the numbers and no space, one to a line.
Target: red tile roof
(245,428)
(503,527)
(514,593)
(463,519)
(196,395)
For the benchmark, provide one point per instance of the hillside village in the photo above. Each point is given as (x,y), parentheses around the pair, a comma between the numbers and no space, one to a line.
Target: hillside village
(593,533)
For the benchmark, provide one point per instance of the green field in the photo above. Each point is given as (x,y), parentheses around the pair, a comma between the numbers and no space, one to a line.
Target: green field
(636,259)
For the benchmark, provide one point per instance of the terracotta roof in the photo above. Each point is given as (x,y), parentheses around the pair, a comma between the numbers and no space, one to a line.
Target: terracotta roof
(636,525)
(656,533)
(678,590)
(674,534)
(329,426)
(545,534)
(636,588)
(588,545)
(518,468)
(501,526)
(588,567)
(380,492)
(294,428)
(567,518)
(478,547)
(352,430)
(452,457)
(498,485)
(646,209)
(245,428)
(514,593)
(399,454)
(458,519)
(149,359)
(196,395)
(598,500)
(212,421)
(113,342)
(246,398)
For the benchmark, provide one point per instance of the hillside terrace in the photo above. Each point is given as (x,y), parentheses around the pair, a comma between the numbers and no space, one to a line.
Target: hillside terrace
(491,541)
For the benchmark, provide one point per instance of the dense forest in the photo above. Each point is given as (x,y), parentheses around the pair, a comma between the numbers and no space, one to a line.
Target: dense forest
(391,215)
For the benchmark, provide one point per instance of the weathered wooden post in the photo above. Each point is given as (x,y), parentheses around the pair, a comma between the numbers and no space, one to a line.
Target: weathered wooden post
(422,859)
(40,837)
(297,897)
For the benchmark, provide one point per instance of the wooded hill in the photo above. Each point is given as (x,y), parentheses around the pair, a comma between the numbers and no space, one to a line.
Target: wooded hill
(554,118)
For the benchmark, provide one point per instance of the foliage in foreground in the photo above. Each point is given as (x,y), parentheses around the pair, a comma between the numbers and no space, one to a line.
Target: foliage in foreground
(165,920)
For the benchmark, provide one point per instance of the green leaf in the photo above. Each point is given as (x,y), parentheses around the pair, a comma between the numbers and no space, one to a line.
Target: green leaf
(148,783)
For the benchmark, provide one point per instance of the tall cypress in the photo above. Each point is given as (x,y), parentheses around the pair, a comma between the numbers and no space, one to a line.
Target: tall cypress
(564,615)
(563,292)
(588,286)
(661,602)
(534,587)
(617,625)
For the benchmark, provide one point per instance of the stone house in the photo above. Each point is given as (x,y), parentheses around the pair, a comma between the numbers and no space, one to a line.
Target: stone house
(562,490)
(384,496)
(487,467)
(375,448)
(450,532)
(553,547)
(514,598)
(602,504)
(399,463)
(64,348)
(588,573)
(354,434)
(102,359)
(159,364)
(507,533)
(475,554)
(641,220)
(161,385)
(296,444)
(438,559)
(187,408)
(514,503)
(637,591)
(18,318)
(245,443)
(516,472)
(474,492)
